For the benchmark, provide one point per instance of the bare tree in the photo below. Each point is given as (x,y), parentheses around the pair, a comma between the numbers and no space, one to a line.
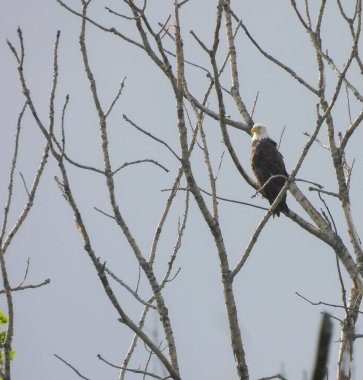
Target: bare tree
(162,44)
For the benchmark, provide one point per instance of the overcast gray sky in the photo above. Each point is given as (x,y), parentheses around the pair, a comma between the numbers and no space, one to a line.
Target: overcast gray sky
(71,316)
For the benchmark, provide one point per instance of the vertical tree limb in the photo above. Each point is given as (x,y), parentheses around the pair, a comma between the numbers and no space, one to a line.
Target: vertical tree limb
(322,352)
(163,311)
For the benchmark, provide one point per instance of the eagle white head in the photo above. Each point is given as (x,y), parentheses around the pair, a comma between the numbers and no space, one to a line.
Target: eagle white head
(259,132)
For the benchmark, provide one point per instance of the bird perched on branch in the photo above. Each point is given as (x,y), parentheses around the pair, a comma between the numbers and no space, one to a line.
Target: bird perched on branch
(267,161)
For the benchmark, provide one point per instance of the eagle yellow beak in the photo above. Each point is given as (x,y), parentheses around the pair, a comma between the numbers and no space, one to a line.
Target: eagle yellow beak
(254,129)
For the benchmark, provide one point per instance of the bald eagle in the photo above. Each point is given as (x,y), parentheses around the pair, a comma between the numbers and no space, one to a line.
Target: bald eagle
(267,161)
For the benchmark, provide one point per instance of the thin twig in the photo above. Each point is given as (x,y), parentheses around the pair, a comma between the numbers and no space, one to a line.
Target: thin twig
(323,303)
(131,291)
(219,166)
(104,213)
(318,141)
(272,178)
(108,30)
(11,174)
(178,243)
(133,370)
(273,59)
(71,367)
(255,104)
(151,136)
(24,183)
(208,74)
(222,198)
(348,105)
(349,175)
(26,271)
(281,136)
(278,376)
(146,160)
(324,192)
(138,279)
(312,183)
(330,214)
(349,132)
(211,176)
(164,28)
(182,3)
(344,292)
(119,14)
(66,102)
(122,85)
(24,287)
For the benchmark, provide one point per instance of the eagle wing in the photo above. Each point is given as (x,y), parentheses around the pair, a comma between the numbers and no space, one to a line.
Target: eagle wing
(266,160)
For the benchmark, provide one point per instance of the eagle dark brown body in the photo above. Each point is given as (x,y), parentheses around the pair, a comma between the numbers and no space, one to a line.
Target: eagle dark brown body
(267,161)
